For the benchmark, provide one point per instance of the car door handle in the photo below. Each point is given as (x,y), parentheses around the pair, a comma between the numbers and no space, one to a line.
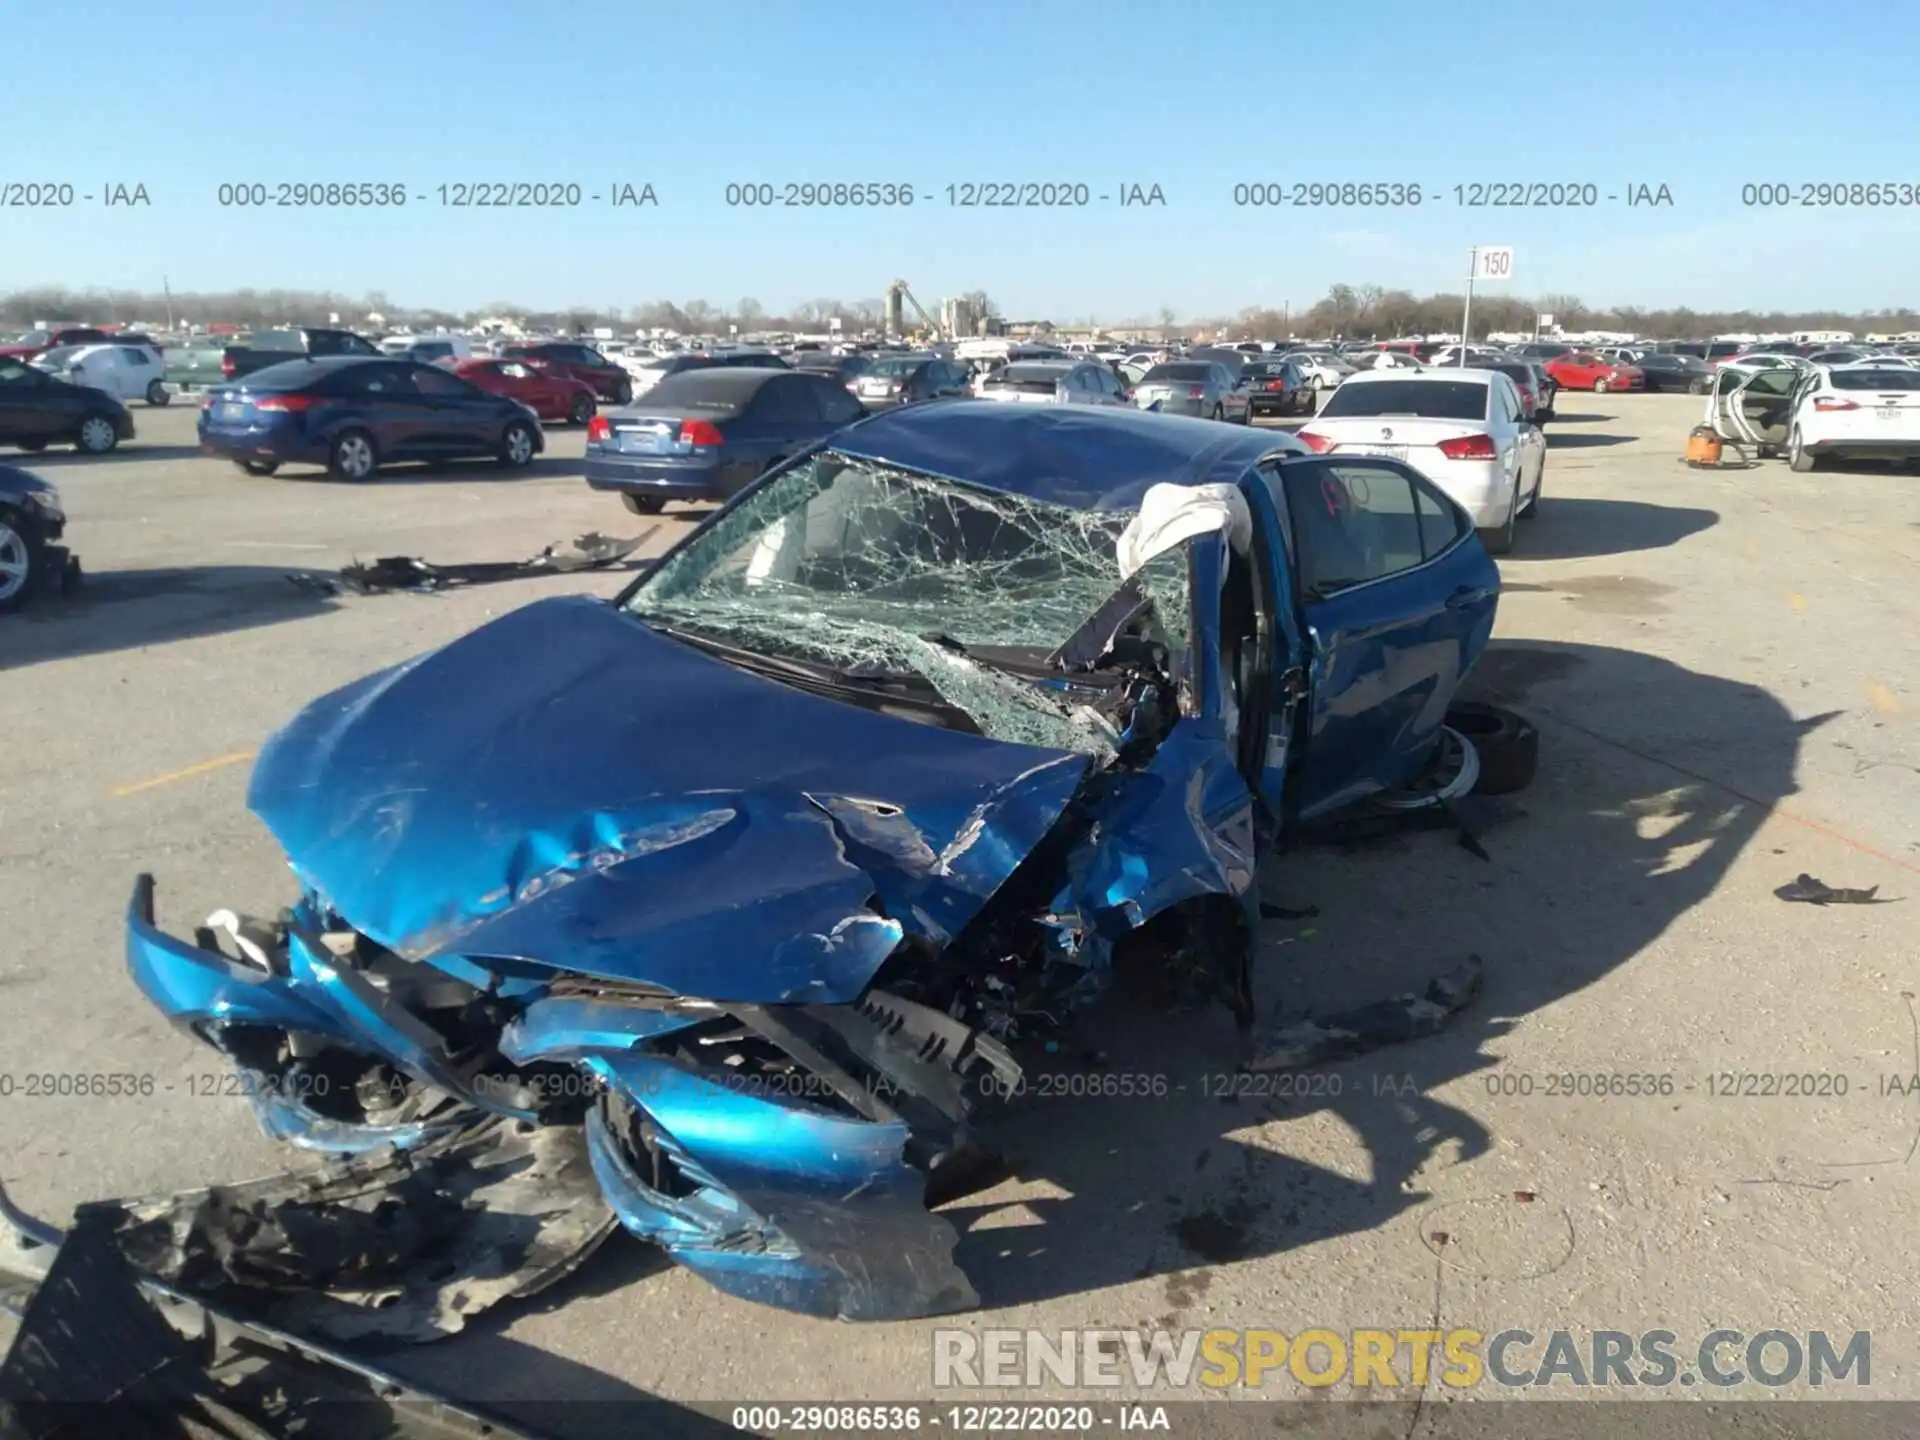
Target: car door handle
(1468,595)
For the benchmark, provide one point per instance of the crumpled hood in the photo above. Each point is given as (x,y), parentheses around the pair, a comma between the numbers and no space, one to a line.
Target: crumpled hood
(565,785)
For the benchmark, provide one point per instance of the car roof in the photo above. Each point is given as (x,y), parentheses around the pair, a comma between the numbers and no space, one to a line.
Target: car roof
(297,369)
(724,382)
(1078,457)
(1031,367)
(1395,375)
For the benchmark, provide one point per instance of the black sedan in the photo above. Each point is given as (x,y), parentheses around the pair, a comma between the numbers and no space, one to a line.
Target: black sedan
(1276,387)
(707,434)
(31,523)
(353,414)
(38,410)
(1675,372)
(904,379)
(847,369)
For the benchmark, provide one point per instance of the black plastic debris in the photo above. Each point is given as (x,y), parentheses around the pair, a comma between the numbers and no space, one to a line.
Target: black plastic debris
(1366,1028)
(1281,912)
(592,551)
(99,1352)
(395,1246)
(1806,890)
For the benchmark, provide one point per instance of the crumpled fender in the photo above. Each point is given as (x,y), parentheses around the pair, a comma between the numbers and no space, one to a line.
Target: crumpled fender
(793,1207)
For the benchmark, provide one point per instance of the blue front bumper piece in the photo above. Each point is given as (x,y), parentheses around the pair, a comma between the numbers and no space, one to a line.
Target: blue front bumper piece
(770,1200)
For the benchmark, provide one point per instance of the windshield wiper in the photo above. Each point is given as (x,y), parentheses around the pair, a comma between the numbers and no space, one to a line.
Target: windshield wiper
(905,687)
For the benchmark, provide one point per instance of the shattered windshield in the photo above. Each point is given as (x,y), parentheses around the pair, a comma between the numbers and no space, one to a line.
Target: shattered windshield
(869,569)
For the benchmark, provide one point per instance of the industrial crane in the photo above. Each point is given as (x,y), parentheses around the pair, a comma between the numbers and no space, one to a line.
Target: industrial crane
(897,292)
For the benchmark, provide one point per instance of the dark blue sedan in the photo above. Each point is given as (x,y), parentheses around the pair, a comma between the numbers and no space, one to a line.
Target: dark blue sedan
(353,415)
(707,434)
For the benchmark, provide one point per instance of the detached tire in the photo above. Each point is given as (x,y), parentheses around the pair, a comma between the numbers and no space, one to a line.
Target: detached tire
(1508,746)
(643,504)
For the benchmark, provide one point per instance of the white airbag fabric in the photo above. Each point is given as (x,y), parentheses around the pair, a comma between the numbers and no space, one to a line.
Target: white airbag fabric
(1171,515)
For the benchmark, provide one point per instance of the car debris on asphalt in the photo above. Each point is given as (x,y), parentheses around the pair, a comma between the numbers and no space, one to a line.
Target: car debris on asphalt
(1349,1034)
(100,1350)
(1804,889)
(592,551)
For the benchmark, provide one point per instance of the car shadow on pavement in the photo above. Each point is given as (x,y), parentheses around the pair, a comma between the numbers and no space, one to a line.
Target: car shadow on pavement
(1574,528)
(131,450)
(1615,841)
(465,472)
(548,1393)
(1584,440)
(124,609)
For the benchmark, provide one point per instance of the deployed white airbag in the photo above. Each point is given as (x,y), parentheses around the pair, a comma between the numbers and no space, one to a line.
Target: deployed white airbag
(1171,515)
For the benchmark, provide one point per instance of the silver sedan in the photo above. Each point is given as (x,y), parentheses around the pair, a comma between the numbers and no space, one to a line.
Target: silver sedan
(1192,387)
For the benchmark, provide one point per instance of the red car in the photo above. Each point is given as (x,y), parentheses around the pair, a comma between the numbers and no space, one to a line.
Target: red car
(578,362)
(37,342)
(551,396)
(1583,371)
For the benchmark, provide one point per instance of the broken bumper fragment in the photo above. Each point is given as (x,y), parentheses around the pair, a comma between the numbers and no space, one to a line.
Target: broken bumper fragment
(782,1152)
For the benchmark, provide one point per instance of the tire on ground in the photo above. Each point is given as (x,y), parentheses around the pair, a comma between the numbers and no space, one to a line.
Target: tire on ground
(1508,745)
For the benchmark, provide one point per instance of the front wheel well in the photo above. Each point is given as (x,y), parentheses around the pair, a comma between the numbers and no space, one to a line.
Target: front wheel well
(1203,943)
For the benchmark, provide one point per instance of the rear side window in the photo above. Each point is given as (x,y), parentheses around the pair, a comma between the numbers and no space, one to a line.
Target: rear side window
(836,405)
(1353,523)
(787,402)
(442,385)
(371,380)
(1441,521)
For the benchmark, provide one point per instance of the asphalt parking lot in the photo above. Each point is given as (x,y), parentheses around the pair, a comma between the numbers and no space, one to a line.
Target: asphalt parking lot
(1725,669)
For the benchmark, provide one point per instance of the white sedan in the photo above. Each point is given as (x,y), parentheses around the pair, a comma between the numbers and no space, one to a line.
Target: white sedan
(1323,369)
(1858,412)
(1463,429)
(127,372)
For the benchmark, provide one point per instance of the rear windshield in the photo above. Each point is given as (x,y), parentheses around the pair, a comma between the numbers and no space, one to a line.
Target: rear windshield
(706,387)
(1520,374)
(1901,379)
(1431,399)
(1027,376)
(289,375)
(278,340)
(1184,371)
(903,366)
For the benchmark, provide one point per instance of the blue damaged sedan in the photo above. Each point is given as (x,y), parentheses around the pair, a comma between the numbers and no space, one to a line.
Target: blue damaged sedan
(756,877)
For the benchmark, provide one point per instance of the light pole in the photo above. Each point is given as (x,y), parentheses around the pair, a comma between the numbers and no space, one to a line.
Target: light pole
(1466,317)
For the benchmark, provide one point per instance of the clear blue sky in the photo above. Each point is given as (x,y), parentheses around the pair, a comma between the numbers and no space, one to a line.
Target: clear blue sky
(1699,95)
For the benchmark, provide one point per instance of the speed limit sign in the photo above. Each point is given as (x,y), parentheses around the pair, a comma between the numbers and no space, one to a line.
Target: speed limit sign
(1493,262)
